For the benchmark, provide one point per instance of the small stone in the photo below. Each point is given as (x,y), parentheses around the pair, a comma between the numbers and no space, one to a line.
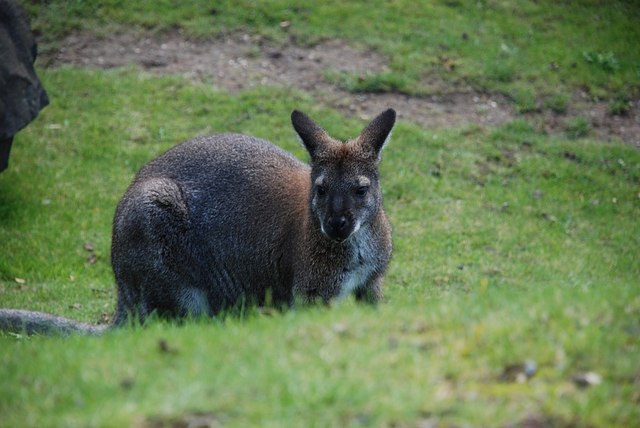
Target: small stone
(530,368)
(585,380)
(340,328)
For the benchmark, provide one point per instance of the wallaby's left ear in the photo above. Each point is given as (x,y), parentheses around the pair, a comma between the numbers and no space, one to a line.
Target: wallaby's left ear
(311,134)
(378,132)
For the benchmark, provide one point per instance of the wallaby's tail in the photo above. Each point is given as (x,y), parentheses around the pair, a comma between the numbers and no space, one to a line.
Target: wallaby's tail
(19,321)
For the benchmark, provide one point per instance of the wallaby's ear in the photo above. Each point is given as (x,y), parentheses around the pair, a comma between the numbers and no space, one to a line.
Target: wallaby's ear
(309,132)
(377,133)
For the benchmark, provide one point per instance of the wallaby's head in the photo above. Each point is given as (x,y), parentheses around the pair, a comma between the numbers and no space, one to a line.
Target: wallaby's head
(345,192)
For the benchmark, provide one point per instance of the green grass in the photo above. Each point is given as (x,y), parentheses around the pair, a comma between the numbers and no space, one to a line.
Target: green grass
(578,127)
(490,45)
(403,363)
(370,83)
(520,247)
(557,103)
(509,245)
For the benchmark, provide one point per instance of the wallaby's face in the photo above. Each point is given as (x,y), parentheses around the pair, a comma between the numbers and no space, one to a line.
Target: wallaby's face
(345,193)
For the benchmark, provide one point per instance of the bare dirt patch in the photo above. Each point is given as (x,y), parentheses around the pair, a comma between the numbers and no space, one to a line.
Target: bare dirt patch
(240,61)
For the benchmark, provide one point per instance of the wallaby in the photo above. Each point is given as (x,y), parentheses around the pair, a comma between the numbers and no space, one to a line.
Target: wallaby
(222,220)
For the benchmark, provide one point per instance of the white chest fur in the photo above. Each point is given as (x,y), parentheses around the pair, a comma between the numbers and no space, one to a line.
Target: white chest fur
(362,263)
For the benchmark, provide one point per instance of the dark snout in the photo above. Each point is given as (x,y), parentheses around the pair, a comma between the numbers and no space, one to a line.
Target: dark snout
(338,227)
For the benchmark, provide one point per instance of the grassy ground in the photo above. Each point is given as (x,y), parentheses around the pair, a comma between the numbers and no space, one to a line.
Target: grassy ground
(529,50)
(512,248)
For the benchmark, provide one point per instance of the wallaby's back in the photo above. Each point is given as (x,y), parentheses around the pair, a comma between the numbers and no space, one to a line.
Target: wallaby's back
(205,225)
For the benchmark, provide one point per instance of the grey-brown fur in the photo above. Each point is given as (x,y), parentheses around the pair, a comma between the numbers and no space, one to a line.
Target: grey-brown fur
(31,322)
(217,221)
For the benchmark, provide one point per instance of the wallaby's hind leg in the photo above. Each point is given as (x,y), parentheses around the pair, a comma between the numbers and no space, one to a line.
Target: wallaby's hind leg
(149,254)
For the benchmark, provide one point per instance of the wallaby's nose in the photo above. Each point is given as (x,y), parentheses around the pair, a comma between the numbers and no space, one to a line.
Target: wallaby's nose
(339,228)
(339,223)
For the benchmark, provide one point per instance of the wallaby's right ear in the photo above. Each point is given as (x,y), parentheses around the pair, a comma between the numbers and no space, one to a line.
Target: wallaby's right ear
(309,132)
(377,133)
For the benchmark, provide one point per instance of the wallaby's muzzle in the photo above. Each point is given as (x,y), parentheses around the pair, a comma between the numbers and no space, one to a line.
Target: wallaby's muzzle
(339,227)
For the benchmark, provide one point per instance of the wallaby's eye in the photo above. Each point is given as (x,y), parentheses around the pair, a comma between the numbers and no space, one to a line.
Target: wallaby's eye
(362,190)
(320,190)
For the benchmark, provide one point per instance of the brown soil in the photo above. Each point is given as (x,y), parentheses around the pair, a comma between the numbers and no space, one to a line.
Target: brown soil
(240,61)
